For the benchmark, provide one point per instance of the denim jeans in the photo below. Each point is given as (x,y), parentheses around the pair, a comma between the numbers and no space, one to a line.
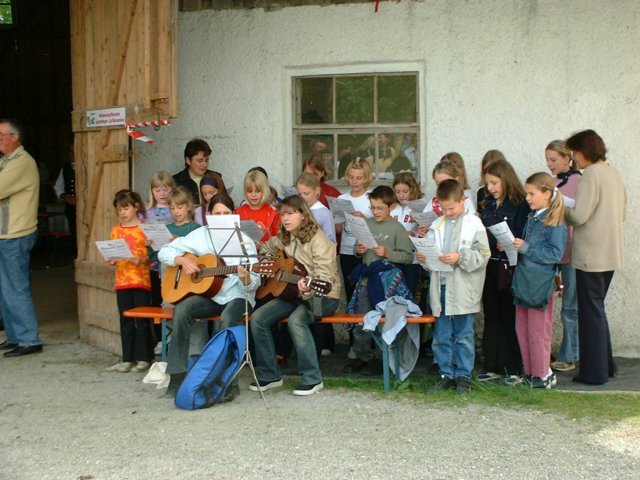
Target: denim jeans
(16,303)
(300,320)
(569,348)
(453,338)
(185,325)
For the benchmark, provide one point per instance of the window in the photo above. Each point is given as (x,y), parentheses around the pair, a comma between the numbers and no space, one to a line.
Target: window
(372,116)
(7,15)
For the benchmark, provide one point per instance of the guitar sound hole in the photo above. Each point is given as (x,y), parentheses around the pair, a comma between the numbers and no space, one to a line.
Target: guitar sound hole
(196,277)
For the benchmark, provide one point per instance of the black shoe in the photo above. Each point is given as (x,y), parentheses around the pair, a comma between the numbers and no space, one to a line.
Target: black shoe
(20,351)
(7,346)
(354,366)
(546,383)
(445,383)
(174,384)
(579,379)
(263,386)
(463,385)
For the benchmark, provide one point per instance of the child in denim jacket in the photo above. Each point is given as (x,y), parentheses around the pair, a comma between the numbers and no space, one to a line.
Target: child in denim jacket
(545,237)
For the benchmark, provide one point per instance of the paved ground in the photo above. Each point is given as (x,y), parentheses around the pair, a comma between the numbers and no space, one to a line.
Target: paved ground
(63,416)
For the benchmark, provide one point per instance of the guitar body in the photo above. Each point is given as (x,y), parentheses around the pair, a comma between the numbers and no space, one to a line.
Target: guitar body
(277,288)
(177,285)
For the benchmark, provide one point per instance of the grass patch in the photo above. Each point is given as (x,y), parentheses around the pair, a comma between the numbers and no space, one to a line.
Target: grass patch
(597,407)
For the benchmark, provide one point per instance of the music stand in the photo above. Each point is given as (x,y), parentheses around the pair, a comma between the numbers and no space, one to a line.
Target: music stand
(238,246)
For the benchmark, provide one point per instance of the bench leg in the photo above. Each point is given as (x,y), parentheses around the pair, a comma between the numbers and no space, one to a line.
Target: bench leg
(164,340)
(384,348)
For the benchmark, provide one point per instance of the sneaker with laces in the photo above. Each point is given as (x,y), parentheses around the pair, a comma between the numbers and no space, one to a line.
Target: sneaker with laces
(304,390)
(560,366)
(445,383)
(514,379)
(547,383)
(463,385)
(488,376)
(263,386)
(141,366)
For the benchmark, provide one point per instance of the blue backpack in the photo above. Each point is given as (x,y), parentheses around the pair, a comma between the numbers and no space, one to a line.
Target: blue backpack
(210,372)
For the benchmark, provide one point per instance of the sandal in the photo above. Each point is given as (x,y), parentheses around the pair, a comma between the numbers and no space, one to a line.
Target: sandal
(560,366)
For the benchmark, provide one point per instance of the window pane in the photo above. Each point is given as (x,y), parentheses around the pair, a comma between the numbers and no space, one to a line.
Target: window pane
(397,99)
(6,15)
(322,144)
(398,152)
(354,100)
(316,105)
(352,146)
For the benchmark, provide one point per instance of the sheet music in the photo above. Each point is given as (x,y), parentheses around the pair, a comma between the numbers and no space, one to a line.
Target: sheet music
(223,232)
(503,234)
(252,229)
(428,247)
(158,233)
(424,219)
(114,250)
(417,205)
(340,206)
(358,228)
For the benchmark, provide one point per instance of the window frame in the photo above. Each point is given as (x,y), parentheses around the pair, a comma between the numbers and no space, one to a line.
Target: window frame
(295,129)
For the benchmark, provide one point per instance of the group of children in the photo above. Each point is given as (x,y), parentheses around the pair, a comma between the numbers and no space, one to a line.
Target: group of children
(517,300)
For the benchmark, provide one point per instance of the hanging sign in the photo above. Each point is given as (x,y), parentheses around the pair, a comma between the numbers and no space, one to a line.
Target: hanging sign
(106,117)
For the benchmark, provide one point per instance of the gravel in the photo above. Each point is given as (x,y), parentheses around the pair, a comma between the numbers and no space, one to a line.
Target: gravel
(63,416)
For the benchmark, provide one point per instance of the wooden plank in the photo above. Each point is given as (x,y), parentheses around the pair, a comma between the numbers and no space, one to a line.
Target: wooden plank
(95,275)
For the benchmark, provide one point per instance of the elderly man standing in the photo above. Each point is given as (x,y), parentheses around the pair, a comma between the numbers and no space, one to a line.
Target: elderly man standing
(19,187)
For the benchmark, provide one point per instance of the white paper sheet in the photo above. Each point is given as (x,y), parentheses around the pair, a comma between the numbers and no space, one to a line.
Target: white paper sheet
(288,191)
(424,219)
(223,231)
(568,202)
(252,229)
(340,206)
(114,250)
(503,234)
(417,205)
(428,247)
(158,233)
(358,228)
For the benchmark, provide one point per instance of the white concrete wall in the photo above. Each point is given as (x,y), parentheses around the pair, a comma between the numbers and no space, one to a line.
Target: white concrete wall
(511,75)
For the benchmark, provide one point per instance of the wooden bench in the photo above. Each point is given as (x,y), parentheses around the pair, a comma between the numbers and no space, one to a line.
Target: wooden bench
(160,315)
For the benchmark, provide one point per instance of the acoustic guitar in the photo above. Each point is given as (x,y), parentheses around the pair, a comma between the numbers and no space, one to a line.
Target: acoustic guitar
(177,285)
(284,284)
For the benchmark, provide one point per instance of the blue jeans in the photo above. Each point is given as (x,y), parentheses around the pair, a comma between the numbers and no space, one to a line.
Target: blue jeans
(453,338)
(185,325)
(16,303)
(300,320)
(569,348)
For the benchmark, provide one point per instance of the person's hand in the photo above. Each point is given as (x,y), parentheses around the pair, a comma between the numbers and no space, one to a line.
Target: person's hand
(69,199)
(189,266)
(361,249)
(148,242)
(358,214)
(449,258)
(500,247)
(517,243)
(422,230)
(422,258)
(243,273)
(380,251)
(303,286)
(139,260)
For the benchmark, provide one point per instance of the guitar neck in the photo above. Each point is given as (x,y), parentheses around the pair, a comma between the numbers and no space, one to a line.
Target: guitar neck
(218,271)
(289,277)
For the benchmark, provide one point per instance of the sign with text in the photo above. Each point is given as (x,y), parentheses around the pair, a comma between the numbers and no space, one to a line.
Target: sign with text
(107,117)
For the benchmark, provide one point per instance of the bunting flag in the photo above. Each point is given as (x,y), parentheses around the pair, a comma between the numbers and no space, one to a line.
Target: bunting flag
(133,133)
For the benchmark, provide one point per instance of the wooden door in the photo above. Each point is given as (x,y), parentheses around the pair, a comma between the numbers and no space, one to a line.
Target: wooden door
(123,55)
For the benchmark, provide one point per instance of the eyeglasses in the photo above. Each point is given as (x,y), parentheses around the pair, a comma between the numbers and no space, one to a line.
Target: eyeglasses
(5,134)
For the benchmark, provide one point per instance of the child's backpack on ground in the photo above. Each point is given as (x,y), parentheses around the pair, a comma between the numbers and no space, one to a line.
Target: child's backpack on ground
(210,373)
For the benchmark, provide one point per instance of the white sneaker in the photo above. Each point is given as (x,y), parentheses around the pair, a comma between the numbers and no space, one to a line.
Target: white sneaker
(158,349)
(351,355)
(488,376)
(325,352)
(123,367)
(304,390)
(142,366)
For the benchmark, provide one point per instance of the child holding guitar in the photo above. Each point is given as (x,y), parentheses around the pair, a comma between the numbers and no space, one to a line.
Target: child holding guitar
(301,240)
(228,301)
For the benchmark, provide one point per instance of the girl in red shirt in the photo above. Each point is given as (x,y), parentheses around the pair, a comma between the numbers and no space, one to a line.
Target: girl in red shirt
(256,194)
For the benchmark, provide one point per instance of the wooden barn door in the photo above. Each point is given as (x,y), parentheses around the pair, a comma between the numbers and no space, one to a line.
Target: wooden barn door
(123,55)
